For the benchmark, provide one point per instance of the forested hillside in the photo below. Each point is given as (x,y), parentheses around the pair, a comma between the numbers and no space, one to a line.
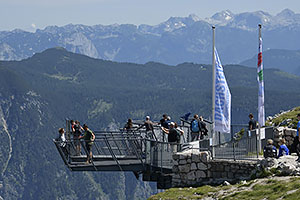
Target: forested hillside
(39,93)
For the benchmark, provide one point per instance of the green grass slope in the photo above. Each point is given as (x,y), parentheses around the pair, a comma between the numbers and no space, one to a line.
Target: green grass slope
(269,188)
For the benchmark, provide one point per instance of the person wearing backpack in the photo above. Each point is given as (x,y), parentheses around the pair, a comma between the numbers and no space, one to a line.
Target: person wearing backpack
(270,150)
(195,128)
(89,138)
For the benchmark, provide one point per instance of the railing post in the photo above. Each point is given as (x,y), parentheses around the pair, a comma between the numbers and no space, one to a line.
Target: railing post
(257,153)
(161,157)
(234,158)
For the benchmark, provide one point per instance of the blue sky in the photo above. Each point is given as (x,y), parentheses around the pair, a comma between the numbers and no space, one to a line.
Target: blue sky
(32,14)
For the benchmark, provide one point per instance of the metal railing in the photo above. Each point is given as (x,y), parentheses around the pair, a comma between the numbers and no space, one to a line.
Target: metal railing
(119,146)
(237,149)
(159,154)
(243,145)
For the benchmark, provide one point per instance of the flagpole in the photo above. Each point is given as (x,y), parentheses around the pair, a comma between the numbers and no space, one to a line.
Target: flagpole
(259,125)
(259,32)
(213,83)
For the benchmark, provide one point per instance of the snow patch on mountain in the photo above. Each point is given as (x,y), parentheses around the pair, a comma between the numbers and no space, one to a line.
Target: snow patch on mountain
(7,52)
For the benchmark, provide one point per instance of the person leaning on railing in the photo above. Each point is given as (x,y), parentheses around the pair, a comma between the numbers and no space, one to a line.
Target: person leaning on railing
(89,138)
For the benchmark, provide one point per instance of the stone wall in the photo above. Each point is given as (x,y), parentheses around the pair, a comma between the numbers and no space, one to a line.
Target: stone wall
(194,168)
(288,134)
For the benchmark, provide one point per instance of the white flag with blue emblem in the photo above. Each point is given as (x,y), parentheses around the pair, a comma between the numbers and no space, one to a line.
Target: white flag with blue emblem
(222,118)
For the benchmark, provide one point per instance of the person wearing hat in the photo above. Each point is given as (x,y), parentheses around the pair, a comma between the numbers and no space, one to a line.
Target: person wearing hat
(148,124)
(172,136)
(89,138)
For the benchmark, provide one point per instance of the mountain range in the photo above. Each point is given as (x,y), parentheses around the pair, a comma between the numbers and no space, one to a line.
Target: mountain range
(177,40)
(285,60)
(40,92)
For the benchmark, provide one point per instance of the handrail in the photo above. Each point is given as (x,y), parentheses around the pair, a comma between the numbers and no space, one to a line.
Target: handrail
(113,155)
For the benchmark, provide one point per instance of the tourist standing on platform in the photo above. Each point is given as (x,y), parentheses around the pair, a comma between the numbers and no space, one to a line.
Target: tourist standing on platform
(179,131)
(172,136)
(129,125)
(148,124)
(252,123)
(195,128)
(164,121)
(76,134)
(62,140)
(89,138)
(203,129)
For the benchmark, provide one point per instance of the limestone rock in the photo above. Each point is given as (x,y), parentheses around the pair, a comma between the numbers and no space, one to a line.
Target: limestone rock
(226,183)
(200,174)
(184,168)
(201,166)
(191,176)
(193,166)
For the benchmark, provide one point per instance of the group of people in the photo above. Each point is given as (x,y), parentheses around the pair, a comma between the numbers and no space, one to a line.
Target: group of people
(168,127)
(197,127)
(78,133)
(271,151)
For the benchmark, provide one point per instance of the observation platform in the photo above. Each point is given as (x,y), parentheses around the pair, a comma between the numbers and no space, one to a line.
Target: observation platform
(151,157)
(122,150)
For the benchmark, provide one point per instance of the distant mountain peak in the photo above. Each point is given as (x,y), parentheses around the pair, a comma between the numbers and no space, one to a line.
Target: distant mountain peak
(223,15)
(194,17)
(287,13)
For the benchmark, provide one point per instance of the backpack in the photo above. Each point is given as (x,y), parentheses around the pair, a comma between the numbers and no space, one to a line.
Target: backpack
(269,152)
(195,126)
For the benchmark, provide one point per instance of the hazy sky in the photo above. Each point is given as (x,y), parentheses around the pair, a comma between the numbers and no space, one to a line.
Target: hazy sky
(32,14)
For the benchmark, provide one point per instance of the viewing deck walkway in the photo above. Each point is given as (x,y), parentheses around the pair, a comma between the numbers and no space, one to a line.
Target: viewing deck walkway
(151,157)
(123,151)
